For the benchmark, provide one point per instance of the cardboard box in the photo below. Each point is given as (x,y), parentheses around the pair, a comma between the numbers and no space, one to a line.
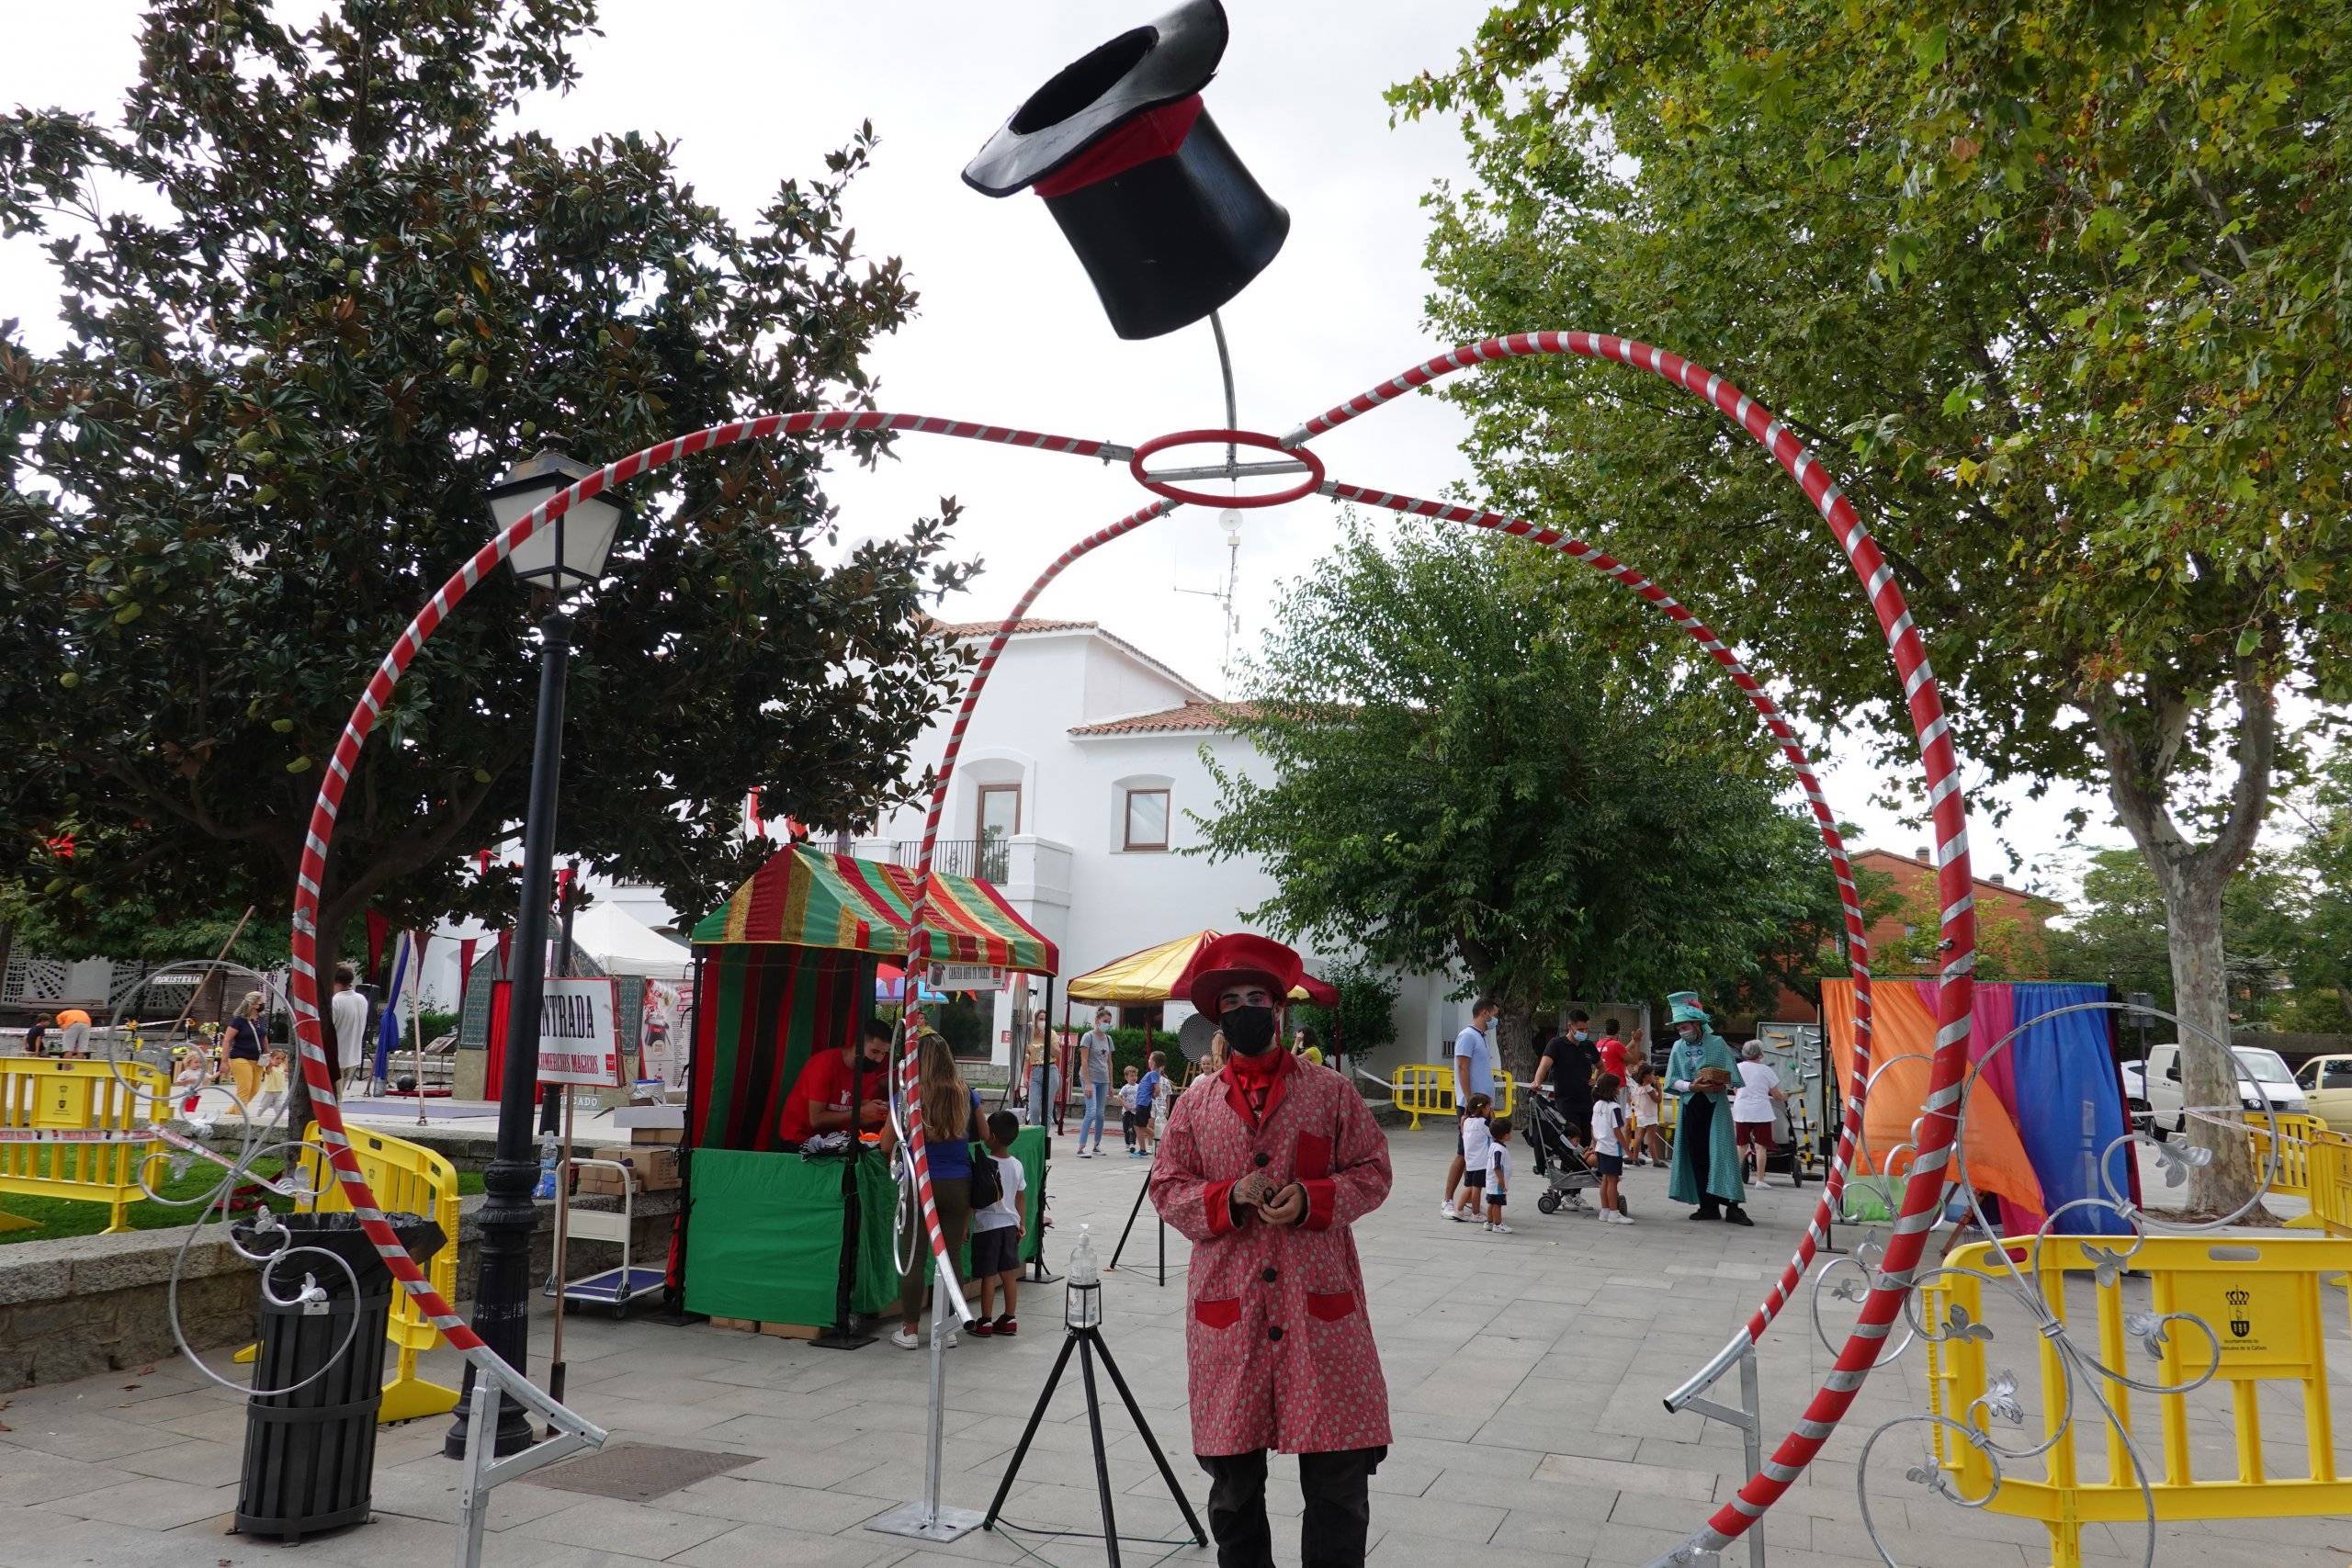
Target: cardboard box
(790,1330)
(657,1167)
(640,1137)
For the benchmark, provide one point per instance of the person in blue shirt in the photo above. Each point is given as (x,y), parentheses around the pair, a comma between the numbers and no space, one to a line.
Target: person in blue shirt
(1147,1094)
(1474,1073)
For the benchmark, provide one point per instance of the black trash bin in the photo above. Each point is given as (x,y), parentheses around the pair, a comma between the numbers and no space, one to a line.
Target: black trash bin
(310,1453)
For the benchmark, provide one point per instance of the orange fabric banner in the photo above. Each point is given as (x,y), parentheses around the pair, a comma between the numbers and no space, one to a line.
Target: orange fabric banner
(1902,1026)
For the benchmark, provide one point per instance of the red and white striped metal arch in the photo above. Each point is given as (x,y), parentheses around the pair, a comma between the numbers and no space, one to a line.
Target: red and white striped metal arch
(1920,1192)
(1816,1234)
(325,1105)
(1939,1120)
(919,929)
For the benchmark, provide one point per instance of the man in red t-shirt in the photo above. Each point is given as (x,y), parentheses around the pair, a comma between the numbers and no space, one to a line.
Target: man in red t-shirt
(821,1096)
(1613,1051)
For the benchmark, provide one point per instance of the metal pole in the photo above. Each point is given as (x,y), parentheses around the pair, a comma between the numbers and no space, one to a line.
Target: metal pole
(563,1234)
(416,1028)
(1752,1438)
(941,1312)
(1225,367)
(502,1299)
(548,1114)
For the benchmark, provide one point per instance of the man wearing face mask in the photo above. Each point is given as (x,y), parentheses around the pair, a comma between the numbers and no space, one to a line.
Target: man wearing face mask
(1700,1071)
(1265,1166)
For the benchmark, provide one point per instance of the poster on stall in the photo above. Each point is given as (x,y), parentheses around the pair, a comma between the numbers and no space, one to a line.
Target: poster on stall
(578,1039)
(659,1054)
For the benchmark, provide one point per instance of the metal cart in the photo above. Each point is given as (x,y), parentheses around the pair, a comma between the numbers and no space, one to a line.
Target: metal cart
(614,1287)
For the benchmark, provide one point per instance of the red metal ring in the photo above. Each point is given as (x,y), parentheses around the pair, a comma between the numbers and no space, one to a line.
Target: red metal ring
(1305,486)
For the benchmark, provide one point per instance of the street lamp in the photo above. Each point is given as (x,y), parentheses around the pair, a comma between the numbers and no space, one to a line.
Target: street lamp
(562,557)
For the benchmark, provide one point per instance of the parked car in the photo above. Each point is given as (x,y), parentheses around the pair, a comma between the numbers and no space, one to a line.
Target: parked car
(2327,1083)
(2154,1096)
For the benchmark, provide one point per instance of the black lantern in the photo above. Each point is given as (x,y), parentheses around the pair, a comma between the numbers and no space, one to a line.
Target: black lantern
(1167,221)
(569,553)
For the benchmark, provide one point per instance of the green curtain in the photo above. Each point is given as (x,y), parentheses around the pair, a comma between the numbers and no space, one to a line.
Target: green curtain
(766,1232)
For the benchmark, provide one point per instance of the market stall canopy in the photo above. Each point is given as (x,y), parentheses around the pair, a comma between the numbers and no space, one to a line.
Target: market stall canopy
(622,944)
(1151,976)
(805,898)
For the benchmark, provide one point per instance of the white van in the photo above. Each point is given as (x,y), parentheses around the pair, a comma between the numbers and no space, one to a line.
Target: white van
(2264,1084)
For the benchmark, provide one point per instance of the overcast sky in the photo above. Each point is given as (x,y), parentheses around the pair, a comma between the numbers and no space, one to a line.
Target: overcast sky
(1009,331)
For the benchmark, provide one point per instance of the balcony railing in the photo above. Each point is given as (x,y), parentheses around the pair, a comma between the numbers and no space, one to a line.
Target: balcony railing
(984,857)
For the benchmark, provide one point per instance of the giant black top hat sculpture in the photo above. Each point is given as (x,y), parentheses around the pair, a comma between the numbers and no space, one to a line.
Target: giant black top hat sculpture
(1149,193)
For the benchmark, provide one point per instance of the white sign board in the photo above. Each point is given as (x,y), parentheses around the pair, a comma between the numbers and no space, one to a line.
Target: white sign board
(579,1039)
(967,977)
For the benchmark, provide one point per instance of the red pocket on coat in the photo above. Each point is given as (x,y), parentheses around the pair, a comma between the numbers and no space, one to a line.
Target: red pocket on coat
(1312,1157)
(1330,1308)
(1218,1314)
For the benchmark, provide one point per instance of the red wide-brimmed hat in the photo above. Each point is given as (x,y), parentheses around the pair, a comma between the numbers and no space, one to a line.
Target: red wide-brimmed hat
(1242,955)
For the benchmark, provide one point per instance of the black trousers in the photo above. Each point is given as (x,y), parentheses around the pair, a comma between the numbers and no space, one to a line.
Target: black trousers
(1337,1489)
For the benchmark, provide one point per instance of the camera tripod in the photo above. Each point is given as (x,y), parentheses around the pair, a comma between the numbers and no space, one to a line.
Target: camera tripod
(1088,1342)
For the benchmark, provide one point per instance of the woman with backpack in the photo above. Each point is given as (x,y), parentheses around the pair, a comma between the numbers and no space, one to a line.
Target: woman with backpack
(949,1110)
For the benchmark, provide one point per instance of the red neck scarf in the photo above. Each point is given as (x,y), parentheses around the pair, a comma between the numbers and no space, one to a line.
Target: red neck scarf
(1254,1084)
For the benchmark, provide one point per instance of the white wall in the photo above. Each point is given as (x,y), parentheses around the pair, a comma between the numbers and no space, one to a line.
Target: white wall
(1069,872)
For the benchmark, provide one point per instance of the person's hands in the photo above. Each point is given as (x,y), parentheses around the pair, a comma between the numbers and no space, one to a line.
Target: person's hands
(873,1113)
(1253,1190)
(1287,1207)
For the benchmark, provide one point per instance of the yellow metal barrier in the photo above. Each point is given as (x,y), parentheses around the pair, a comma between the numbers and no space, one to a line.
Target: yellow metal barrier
(1426,1088)
(2327,1182)
(1423,1088)
(2295,1135)
(69,1097)
(408,1178)
(2263,1301)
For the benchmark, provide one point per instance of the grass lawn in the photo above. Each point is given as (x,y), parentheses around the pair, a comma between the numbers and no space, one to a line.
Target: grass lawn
(55,1217)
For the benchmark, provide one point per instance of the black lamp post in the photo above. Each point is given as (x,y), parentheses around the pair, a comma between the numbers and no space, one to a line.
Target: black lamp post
(562,557)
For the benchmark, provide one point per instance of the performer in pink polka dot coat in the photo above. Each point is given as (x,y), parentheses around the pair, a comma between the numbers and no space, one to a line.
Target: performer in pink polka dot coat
(1265,1165)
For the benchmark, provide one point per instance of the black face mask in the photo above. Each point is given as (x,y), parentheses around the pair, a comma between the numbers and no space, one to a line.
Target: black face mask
(1250,1030)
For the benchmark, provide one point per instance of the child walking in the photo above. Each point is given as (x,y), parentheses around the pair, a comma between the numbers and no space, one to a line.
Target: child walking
(1151,1101)
(1477,1157)
(272,1098)
(997,1231)
(1608,1122)
(1649,1114)
(1498,1174)
(1129,1099)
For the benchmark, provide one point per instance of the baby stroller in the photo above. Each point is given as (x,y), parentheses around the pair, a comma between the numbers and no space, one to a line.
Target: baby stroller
(1568,1175)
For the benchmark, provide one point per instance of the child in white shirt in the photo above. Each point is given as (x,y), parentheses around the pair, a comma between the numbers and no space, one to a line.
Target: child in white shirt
(1649,1115)
(997,1231)
(1477,1157)
(1609,1121)
(1498,1173)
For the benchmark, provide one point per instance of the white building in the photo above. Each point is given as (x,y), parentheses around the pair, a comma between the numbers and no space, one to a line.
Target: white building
(1082,772)
(1083,760)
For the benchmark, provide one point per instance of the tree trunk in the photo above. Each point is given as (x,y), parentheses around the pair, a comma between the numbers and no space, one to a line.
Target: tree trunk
(2209,1077)
(2141,734)
(1515,1042)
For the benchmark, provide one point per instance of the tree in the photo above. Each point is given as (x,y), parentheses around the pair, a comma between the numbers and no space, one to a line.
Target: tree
(1457,777)
(1365,1018)
(2009,946)
(2322,864)
(2054,286)
(347,296)
(2118,934)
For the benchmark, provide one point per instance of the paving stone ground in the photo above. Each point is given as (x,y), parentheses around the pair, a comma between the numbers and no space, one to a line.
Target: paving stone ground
(1526,1372)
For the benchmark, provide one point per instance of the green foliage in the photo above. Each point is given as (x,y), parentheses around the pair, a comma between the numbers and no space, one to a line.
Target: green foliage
(1365,1018)
(353,294)
(1456,775)
(2118,934)
(2055,287)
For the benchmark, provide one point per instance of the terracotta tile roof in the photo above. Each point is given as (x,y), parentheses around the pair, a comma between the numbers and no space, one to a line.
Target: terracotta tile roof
(988,628)
(1170,721)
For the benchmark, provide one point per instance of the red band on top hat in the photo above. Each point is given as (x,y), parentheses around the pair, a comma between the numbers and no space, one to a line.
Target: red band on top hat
(1155,133)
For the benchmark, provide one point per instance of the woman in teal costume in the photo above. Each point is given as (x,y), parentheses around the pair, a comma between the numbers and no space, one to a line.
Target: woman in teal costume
(1706,1163)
